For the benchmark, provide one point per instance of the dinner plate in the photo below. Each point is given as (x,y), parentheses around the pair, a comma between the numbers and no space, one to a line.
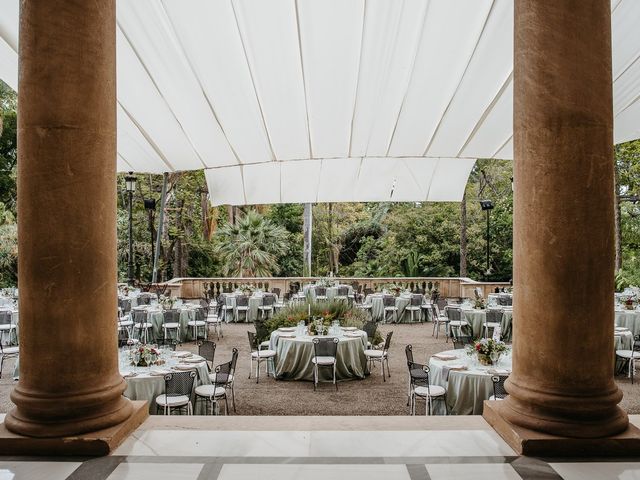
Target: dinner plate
(182,354)
(444,357)
(349,329)
(193,359)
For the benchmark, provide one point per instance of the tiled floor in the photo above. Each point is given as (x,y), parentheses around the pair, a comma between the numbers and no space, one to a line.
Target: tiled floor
(327,448)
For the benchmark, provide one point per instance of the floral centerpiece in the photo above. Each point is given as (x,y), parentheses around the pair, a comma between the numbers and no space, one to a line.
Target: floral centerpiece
(247,288)
(166,302)
(145,356)
(488,350)
(392,288)
(324,282)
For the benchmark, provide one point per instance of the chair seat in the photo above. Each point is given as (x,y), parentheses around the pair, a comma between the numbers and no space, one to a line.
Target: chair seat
(374,353)
(264,354)
(324,360)
(242,309)
(493,397)
(171,325)
(209,390)
(214,320)
(265,343)
(492,324)
(125,323)
(628,354)
(196,323)
(458,323)
(388,309)
(415,308)
(172,401)
(432,391)
(10,350)
(320,297)
(265,307)
(7,326)
(143,325)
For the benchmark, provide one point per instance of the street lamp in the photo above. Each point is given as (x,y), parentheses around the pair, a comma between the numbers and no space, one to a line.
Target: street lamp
(130,185)
(487,206)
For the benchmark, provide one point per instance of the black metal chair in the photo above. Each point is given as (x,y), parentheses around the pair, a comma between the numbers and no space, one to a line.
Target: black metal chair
(216,391)
(389,305)
(325,354)
(321,294)
(408,350)
(456,323)
(276,291)
(415,305)
(7,352)
(461,341)
(178,388)
(493,320)
(141,324)
(420,387)
(370,327)
(499,392)
(268,301)
(242,305)
(631,356)
(170,323)
(207,350)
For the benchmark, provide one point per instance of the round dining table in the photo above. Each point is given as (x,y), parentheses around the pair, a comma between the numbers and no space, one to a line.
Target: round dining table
(295,352)
(477,317)
(251,315)
(402,302)
(310,292)
(467,383)
(155,316)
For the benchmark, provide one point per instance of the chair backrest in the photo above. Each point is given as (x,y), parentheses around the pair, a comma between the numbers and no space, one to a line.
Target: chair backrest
(242,301)
(321,291)
(370,328)
(462,341)
(343,291)
(442,302)
(387,342)
(325,347)
(139,316)
(207,349)
(367,291)
(5,317)
(276,292)
(498,386)
(408,350)
(171,316)
(419,374)
(234,360)
(435,310)
(125,304)
(179,383)
(268,300)
(389,301)
(416,300)
(636,343)
(454,313)
(253,340)
(494,316)
(222,373)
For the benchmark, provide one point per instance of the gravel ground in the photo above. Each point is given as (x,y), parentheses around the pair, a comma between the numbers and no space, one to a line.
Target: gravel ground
(370,396)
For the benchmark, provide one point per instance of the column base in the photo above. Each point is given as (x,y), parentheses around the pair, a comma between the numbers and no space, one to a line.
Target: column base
(532,443)
(92,444)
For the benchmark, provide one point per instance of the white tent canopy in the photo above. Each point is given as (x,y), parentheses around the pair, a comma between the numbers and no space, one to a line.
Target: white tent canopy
(324,100)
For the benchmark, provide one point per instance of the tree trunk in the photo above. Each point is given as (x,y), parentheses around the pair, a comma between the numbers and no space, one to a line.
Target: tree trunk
(463,236)
(307,229)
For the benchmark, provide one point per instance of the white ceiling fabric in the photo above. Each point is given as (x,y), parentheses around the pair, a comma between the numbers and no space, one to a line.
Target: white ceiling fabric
(324,100)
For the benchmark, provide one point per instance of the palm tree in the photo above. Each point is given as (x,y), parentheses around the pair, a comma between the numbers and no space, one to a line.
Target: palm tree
(250,247)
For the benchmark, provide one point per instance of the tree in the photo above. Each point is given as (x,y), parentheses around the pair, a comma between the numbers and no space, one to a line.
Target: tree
(250,247)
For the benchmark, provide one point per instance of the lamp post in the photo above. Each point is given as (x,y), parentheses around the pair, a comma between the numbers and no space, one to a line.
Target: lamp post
(487,206)
(130,185)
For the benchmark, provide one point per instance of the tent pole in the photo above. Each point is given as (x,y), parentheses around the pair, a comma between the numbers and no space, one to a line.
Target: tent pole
(307,228)
(163,200)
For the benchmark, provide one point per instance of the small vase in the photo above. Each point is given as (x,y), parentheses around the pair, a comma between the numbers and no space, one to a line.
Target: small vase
(484,359)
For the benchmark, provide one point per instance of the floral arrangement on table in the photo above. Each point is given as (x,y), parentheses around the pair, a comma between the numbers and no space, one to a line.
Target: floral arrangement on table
(392,288)
(630,301)
(247,288)
(325,282)
(145,356)
(487,350)
(166,302)
(478,301)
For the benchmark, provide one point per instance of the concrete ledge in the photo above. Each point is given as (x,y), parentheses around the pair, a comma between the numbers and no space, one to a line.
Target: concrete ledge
(91,444)
(532,443)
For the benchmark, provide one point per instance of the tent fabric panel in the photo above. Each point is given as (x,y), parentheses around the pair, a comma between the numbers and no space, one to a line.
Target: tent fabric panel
(270,36)
(135,149)
(299,181)
(330,66)
(150,34)
(337,177)
(212,44)
(262,183)
(450,34)
(225,185)
(450,179)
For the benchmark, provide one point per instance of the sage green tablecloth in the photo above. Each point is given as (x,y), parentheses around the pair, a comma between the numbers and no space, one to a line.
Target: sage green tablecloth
(402,302)
(623,341)
(252,314)
(293,359)
(476,319)
(147,387)
(310,292)
(185,333)
(466,389)
(629,319)
(13,339)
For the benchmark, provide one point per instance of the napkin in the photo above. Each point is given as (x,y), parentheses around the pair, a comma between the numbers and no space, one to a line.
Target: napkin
(454,366)
(159,372)
(498,371)
(182,354)
(444,356)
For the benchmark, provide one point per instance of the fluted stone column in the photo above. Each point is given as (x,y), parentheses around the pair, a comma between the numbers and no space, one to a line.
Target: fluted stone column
(563,350)
(69,380)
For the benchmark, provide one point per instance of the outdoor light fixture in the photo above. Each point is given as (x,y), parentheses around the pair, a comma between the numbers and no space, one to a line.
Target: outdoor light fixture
(487,205)
(130,186)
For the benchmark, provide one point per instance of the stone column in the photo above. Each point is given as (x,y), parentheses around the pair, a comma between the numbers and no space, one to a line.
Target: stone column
(69,380)
(563,350)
